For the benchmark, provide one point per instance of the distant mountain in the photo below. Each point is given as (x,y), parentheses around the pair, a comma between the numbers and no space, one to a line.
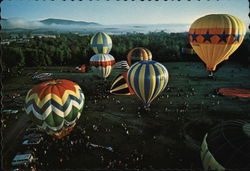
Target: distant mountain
(50,21)
(65,26)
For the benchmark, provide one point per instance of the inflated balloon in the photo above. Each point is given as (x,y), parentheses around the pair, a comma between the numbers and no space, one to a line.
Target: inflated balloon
(101,43)
(215,37)
(227,146)
(147,79)
(55,106)
(149,54)
(138,54)
(120,85)
(101,64)
(121,65)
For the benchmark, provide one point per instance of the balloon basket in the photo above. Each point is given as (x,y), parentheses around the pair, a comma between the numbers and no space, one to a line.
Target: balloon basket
(211,74)
(146,107)
(63,133)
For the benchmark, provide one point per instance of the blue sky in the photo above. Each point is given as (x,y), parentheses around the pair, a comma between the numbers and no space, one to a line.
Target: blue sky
(124,12)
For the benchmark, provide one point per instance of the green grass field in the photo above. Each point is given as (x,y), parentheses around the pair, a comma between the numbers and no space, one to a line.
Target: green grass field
(167,136)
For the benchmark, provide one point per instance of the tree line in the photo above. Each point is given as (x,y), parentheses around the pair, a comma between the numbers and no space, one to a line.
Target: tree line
(73,49)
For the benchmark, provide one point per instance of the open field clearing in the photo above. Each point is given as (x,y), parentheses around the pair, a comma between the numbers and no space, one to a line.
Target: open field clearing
(167,136)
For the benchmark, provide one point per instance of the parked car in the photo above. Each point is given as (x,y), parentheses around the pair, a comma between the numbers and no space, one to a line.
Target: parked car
(22,159)
(32,135)
(33,141)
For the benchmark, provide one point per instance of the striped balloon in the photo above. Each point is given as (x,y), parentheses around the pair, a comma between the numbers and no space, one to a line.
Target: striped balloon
(149,54)
(147,79)
(121,65)
(138,54)
(55,105)
(101,64)
(120,85)
(101,43)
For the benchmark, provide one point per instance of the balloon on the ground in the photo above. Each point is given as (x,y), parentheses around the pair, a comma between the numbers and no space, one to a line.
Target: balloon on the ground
(215,37)
(101,64)
(55,106)
(227,146)
(147,79)
(120,85)
(138,54)
(236,92)
(101,43)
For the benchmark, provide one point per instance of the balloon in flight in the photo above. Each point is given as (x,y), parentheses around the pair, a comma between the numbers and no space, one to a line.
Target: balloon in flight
(147,79)
(55,106)
(215,37)
(101,43)
(101,64)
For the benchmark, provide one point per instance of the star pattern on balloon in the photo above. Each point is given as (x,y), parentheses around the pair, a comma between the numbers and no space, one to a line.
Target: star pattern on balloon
(223,37)
(207,36)
(236,37)
(194,37)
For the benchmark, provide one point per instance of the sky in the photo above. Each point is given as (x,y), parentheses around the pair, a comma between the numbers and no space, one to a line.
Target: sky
(124,12)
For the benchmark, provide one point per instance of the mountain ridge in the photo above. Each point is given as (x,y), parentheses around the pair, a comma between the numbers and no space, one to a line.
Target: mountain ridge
(50,21)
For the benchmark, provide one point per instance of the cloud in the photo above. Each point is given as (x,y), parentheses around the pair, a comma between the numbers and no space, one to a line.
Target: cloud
(12,23)
(21,23)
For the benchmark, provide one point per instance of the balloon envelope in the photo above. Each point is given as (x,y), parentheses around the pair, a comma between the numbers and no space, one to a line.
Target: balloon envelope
(121,65)
(215,37)
(120,85)
(147,79)
(55,106)
(138,54)
(227,146)
(101,43)
(101,64)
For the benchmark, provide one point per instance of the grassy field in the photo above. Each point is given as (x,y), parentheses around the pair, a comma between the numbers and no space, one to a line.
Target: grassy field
(167,136)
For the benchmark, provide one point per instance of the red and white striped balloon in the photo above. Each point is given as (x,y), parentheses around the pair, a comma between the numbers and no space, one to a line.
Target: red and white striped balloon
(102,64)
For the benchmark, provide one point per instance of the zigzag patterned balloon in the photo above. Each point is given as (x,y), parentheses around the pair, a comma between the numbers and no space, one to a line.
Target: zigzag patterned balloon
(55,105)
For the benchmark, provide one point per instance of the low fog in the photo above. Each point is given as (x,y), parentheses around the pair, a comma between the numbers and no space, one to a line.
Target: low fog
(19,23)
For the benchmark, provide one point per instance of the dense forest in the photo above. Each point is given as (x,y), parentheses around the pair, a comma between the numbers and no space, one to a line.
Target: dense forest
(73,49)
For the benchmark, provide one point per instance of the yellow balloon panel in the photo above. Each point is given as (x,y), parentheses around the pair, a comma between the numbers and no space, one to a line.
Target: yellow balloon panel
(215,37)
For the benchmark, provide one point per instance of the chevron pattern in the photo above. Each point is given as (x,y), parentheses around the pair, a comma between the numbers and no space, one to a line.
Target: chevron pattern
(55,105)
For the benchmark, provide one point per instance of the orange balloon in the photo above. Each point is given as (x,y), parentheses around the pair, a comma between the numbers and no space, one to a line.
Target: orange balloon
(138,54)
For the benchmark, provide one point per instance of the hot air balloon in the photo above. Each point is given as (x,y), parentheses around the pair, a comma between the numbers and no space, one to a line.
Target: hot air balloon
(215,37)
(55,106)
(227,146)
(138,54)
(121,65)
(101,43)
(147,79)
(120,85)
(102,64)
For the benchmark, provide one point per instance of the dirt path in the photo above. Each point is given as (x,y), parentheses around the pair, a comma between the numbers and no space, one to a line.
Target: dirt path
(10,140)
